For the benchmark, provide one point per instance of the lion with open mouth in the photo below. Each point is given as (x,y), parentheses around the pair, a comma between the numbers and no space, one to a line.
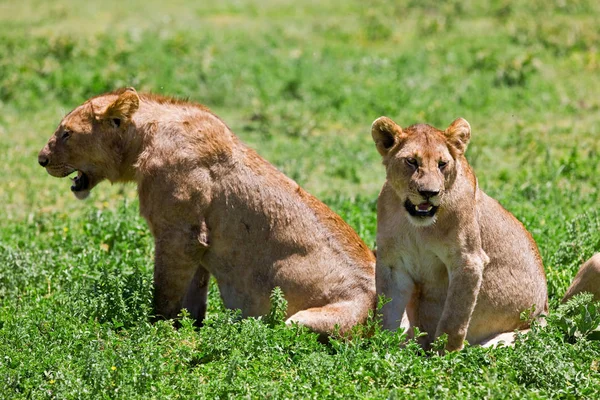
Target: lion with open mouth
(449,255)
(217,208)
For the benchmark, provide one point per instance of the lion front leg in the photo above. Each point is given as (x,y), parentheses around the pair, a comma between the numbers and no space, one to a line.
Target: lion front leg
(464,284)
(196,296)
(179,281)
(397,286)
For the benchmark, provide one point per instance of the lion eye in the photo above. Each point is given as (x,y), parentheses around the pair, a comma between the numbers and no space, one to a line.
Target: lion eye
(66,135)
(442,164)
(411,162)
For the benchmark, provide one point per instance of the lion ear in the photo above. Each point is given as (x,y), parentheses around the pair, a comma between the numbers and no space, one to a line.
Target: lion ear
(123,108)
(459,134)
(385,133)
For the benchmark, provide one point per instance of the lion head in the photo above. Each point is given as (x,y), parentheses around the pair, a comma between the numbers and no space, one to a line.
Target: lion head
(421,163)
(89,140)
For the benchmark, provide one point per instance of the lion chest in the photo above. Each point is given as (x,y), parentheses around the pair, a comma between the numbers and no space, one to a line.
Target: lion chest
(422,262)
(419,257)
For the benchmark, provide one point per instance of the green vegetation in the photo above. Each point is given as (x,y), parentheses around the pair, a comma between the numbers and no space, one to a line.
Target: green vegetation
(301,82)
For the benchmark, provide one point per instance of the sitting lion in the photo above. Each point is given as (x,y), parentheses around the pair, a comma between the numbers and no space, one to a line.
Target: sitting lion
(448,254)
(587,279)
(217,208)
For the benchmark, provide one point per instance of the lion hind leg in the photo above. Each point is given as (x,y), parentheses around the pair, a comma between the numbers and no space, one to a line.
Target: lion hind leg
(337,317)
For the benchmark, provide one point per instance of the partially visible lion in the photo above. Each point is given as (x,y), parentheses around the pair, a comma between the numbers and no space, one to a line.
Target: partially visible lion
(215,207)
(447,253)
(587,279)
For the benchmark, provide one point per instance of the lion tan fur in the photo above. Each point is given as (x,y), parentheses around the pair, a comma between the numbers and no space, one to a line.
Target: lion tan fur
(587,279)
(448,254)
(216,208)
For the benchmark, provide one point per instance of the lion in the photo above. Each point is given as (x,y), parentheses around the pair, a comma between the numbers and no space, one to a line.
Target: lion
(587,279)
(448,254)
(215,207)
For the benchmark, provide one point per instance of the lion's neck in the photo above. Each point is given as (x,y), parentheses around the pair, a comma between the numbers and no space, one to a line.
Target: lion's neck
(132,144)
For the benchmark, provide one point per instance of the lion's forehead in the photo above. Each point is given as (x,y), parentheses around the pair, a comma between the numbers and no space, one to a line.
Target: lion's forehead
(77,120)
(425,147)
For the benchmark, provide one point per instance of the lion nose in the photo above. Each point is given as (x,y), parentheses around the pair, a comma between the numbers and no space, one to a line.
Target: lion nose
(43,160)
(427,194)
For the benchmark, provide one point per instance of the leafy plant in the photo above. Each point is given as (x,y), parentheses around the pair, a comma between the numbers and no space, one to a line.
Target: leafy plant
(277,313)
(579,318)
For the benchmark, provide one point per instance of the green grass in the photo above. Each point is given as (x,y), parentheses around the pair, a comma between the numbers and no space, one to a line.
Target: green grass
(301,82)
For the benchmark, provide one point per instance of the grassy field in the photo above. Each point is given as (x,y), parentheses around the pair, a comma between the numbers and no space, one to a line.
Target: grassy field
(300,82)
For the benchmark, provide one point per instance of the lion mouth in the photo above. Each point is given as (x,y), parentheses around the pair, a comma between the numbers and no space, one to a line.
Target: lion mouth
(421,210)
(81,182)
